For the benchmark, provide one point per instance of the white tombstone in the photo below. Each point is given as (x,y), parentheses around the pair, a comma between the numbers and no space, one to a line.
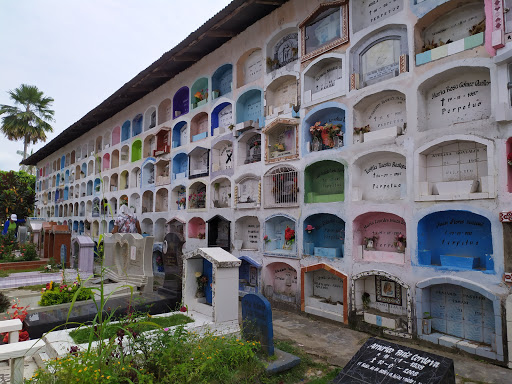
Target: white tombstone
(83,250)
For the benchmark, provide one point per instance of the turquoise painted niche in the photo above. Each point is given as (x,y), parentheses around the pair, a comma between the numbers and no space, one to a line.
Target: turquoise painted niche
(199,92)
(324,235)
(249,106)
(276,229)
(222,81)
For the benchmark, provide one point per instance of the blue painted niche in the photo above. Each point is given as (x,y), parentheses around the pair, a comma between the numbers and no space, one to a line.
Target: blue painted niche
(180,102)
(249,106)
(137,125)
(215,116)
(456,240)
(81,228)
(75,226)
(249,276)
(323,114)
(125,131)
(275,228)
(89,188)
(66,177)
(66,193)
(222,81)
(179,166)
(62,161)
(177,134)
(84,170)
(327,239)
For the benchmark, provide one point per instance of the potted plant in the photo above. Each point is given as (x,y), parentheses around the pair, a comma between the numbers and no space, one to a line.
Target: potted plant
(181,203)
(366,300)
(426,323)
(200,97)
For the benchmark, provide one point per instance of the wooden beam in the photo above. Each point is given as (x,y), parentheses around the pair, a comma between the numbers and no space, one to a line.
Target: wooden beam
(221,33)
(268,2)
(187,57)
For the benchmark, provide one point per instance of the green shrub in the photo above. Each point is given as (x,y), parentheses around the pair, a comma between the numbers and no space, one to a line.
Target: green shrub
(4,302)
(59,294)
(28,252)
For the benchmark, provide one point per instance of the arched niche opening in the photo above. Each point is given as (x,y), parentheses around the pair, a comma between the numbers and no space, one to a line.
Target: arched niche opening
(163,176)
(455,170)
(449,29)
(249,276)
(150,119)
(149,145)
(281,96)
(83,190)
(458,95)
(248,192)
(249,110)
(107,139)
(222,119)
(162,200)
(66,177)
(125,155)
(280,236)
(89,188)
(97,166)
(164,111)
(324,128)
(97,185)
(159,231)
(456,240)
(81,228)
(162,142)
(379,176)
(147,202)
(82,209)
(95,229)
(146,227)
(72,159)
(179,166)
(99,145)
(67,159)
(379,237)
(282,49)
(197,195)
(136,151)
(116,135)
(222,156)
(282,139)
(179,134)
(179,197)
(323,79)
(148,174)
(221,193)
(96,207)
(219,233)
(324,236)
(388,301)
(58,179)
(123,200)
(134,203)
(66,194)
(199,162)
(196,228)
(249,67)
(199,127)
(325,292)
(199,92)
(324,182)
(106,161)
(75,226)
(249,148)
(280,283)
(63,161)
(115,159)
(247,234)
(180,102)
(88,208)
(112,207)
(125,130)
(380,56)
(380,116)
(280,187)
(124,180)
(222,81)
(135,178)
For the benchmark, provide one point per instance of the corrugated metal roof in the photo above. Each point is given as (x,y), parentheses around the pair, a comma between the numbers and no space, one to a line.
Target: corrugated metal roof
(229,22)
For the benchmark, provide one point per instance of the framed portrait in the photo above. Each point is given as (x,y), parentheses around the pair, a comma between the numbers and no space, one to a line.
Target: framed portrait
(388,291)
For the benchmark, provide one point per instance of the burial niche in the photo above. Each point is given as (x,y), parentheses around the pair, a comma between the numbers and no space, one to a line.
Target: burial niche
(248,192)
(282,140)
(219,233)
(196,228)
(222,119)
(281,96)
(172,254)
(324,235)
(249,276)
(222,81)
(199,127)
(249,67)
(282,49)
(456,240)
(281,187)
(323,80)
(179,134)
(199,92)
(222,156)
(249,111)
(249,148)
(368,12)
(324,128)
(197,196)
(324,182)
(179,197)
(247,234)
(199,162)
(165,111)
(179,166)
(280,236)
(180,102)
(221,193)
(280,281)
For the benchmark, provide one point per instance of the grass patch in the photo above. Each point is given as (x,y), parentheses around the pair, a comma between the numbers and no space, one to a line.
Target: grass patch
(36,287)
(81,335)
(7,272)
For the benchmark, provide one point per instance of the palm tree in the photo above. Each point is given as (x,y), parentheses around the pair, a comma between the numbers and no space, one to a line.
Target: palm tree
(29,119)
(30,169)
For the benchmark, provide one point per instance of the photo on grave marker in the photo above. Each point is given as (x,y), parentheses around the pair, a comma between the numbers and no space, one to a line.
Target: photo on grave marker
(388,291)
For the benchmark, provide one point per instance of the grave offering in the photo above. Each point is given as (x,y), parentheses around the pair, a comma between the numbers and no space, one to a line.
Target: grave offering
(380,361)
(257,321)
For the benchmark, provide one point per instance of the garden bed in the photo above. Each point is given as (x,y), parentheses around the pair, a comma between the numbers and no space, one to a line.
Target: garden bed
(23,265)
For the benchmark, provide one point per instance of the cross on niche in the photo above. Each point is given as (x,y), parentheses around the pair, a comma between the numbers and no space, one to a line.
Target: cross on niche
(229,155)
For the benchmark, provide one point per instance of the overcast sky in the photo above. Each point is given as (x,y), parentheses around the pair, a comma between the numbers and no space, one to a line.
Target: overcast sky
(81,51)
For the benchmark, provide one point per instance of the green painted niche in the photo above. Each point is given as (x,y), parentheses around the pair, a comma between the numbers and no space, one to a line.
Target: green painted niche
(324,182)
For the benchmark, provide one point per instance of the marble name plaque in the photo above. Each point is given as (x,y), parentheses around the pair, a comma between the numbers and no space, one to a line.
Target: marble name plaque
(383,179)
(253,67)
(368,12)
(327,77)
(379,361)
(328,286)
(386,112)
(226,116)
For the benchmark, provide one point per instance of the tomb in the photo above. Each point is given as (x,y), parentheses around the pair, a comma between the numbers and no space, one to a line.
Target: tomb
(222,81)
(162,200)
(179,134)
(247,234)
(96,207)
(222,157)
(279,236)
(221,193)
(325,292)
(248,192)
(461,314)
(455,170)
(148,173)
(199,93)
(222,119)
(125,155)
(147,202)
(249,111)
(249,148)
(450,32)
(456,240)
(282,138)
(150,118)
(323,79)
(106,165)
(172,254)
(380,56)
(135,178)
(383,300)
(83,253)
(280,187)
(365,13)
(220,269)
(123,180)
(324,29)
(454,96)
(219,233)
(125,130)
(197,196)
(180,166)
(197,228)
(249,67)
(180,102)
(163,176)
(379,176)
(282,49)
(379,237)
(137,125)
(59,244)
(136,151)
(199,162)
(116,136)
(280,284)
(165,112)
(249,276)
(179,197)
(128,259)
(146,227)
(324,128)
(281,96)
(135,202)
(149,145)
(324,236)
(199,127)
(324,182)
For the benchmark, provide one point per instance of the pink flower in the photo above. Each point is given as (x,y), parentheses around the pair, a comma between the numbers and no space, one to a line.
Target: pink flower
(183,309)
(166,329)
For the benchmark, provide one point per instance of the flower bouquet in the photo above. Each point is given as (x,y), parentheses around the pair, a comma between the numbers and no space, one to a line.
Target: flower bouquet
(201,281)
(400,242)
(309,228)
(289,237)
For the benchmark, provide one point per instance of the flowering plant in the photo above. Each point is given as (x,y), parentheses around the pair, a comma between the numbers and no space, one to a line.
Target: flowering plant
(509,158)
(266,239)
(123,201)
(279,147)
(289,235)
(309,228)
(400,240)
(201,236)
(181,202)
(373,238)
(360,130)
(19,313)
(196,198)
(201,280)
(201,95)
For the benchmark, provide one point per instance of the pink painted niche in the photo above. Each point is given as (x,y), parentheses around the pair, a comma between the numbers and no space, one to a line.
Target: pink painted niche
(116,135)
(509,166)
(379,237)
(280,283)
(196,228)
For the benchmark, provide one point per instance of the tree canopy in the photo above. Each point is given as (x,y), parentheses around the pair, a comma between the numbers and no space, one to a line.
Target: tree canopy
(17,194)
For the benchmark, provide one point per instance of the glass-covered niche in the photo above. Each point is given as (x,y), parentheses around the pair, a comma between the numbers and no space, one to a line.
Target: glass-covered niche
(280,236)
(249,148)
(199,162)
(247,192)
(281,96)
(324,128)
(324,235)
(326,28)
(247,234)
(282,140)
(282,49)
(222,81)
(249,67)
(197,195)
(221,193)
(222,156)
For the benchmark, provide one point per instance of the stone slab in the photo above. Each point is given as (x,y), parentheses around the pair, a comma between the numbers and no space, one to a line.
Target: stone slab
(284,362)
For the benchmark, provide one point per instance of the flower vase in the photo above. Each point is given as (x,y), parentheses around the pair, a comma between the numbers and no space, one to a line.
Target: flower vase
(288,245)
(358,138)
(327,140)
(201,204)
(316,144)
(400,248)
